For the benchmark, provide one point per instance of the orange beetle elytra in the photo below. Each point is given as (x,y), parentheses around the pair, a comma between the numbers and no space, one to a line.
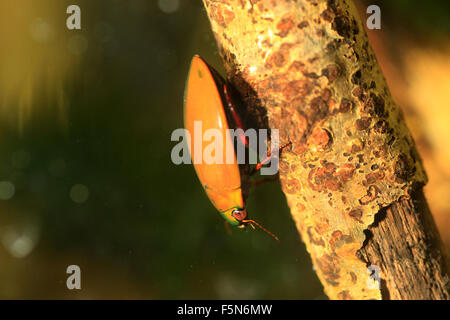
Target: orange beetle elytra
(224,184)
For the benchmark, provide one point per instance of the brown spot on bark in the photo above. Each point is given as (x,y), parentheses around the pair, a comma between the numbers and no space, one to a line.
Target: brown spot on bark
(332,72)
(303,24)
(402,169)
(318,109)
(380,152)
(296,66)
(283,165)
(345,295)
(292,186)
(329,267)
(374,105)
(355,27)
(354,146)
(353,276)
(330,177)
(216,14)
(342,26)
(295,89)
(326,94)
(381,127)
(327,15)
(345,172)
(336,236)
(312,75)
(356,214)
(320,139)
(277,59)
(297,127)
(313,59)
(372,194)
(320,33)
(314,237)
(322,178)
(373,177)
(345,105)
(266,43)
(285,25)
(356,77)
(338,239)
(359,93)
(333,45)
(300,206)
(363,123)
(228,16)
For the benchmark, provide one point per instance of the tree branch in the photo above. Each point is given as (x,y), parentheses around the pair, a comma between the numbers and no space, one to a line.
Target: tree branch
(306,68)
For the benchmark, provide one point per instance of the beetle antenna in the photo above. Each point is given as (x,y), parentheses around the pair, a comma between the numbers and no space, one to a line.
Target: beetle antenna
(253,222)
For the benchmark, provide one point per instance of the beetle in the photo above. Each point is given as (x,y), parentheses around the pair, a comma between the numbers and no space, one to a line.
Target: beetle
(207,98)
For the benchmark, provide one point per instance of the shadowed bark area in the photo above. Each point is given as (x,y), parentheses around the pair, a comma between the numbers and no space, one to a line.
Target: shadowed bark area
(306,68)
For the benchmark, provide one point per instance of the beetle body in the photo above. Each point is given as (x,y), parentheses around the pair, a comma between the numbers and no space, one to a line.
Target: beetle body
(203,101)
(226,184)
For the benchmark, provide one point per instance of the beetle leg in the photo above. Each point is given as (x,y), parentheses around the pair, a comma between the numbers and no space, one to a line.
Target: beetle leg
(268,158)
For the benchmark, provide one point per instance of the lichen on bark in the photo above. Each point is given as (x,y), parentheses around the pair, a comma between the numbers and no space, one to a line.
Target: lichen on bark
(309,65)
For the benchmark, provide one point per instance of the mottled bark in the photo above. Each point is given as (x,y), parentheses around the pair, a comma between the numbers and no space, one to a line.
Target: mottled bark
(306,68)
(405,244)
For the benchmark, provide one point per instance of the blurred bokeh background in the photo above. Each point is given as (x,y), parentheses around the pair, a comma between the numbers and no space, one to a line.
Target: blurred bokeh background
(85,171)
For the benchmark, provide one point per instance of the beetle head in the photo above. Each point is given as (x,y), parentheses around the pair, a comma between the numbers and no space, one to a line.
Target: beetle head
(240,215)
